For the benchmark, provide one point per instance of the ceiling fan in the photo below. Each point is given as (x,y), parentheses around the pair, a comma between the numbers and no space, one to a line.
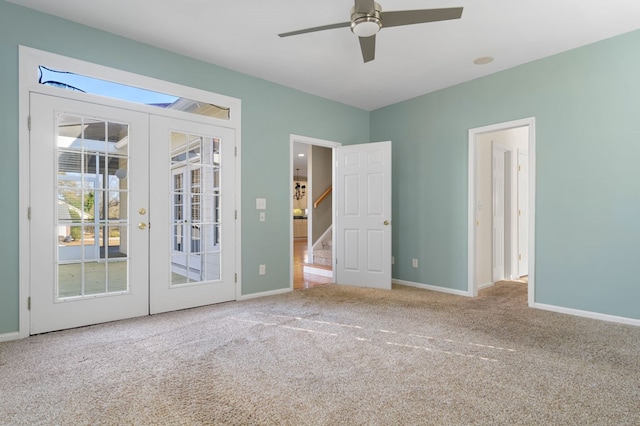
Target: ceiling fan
(367,18)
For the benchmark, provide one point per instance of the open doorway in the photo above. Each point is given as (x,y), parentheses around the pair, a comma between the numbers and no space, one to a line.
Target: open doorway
(501,188)
(312,212)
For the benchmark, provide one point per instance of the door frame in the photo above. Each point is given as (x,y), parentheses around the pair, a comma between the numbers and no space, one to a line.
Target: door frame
(530,122)
(293,138)
(29,60)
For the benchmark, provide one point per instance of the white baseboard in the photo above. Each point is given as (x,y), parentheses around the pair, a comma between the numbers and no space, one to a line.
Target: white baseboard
(318,271)
(432,287)
(5,337)
(485,285)
(265,293)
(587,314)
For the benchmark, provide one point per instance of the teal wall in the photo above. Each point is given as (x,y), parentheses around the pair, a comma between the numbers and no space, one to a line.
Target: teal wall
(586,103)
(270,113)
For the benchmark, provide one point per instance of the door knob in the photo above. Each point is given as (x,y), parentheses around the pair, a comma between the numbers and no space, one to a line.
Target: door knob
(386,222)
(142,210)
(142,225)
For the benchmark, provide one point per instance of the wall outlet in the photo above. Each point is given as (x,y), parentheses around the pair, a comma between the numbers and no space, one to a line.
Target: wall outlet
(263,216)
(262,270)
(414,263)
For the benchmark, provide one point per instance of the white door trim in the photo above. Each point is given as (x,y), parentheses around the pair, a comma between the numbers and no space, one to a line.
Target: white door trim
(472,287)
(29,60)
(293,138)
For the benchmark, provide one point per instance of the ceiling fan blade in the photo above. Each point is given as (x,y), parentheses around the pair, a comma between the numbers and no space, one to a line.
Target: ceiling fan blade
(364,6)
(409,17)
(314,29)
(368,47)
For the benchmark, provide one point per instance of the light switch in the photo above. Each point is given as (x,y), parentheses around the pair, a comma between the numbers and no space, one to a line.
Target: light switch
(261,203)
(263,216)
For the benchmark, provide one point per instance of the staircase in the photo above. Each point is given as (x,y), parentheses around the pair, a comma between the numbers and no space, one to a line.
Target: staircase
(322,258)
(323,254)
(323,248)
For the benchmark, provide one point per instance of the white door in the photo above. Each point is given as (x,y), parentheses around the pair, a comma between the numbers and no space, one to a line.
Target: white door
(100,177)
(192,213)
(523,213)
(88,180)
(363,215)
(499,199)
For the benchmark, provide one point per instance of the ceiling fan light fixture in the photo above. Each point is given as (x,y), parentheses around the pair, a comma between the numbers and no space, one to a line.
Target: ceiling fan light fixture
(366,26)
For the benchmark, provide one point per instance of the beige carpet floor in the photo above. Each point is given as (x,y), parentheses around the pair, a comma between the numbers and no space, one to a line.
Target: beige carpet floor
(331,355)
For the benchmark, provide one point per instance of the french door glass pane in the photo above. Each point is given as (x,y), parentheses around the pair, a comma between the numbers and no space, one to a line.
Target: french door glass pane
(95,278)
(69,280)
(195,209)
(91,215)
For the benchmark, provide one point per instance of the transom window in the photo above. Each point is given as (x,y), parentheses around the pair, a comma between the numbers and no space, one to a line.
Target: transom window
(82,83)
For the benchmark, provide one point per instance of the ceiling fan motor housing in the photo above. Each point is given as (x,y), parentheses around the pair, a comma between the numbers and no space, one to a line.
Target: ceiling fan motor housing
(366,24)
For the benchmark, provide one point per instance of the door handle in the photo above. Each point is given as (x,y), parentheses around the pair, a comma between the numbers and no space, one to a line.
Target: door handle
(142,225)
(386,222)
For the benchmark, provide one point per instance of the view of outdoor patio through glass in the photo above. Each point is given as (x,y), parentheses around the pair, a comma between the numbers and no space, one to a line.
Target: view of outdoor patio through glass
(195,208)
(91,194)
(95,86)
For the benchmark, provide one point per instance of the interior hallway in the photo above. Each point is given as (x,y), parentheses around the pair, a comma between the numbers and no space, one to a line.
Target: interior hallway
(300,257)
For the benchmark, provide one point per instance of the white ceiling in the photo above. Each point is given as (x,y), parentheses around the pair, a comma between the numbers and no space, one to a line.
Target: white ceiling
(410,60)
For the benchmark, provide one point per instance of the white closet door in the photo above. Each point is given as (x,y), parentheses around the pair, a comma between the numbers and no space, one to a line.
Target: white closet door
(523,213)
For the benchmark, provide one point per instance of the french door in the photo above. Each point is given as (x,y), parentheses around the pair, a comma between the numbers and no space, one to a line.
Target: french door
(100,177)
(192,200)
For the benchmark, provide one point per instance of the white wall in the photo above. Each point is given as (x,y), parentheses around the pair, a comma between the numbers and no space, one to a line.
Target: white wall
(516,139)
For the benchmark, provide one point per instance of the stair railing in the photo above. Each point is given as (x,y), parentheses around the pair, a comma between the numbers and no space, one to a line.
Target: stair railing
(322,197)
